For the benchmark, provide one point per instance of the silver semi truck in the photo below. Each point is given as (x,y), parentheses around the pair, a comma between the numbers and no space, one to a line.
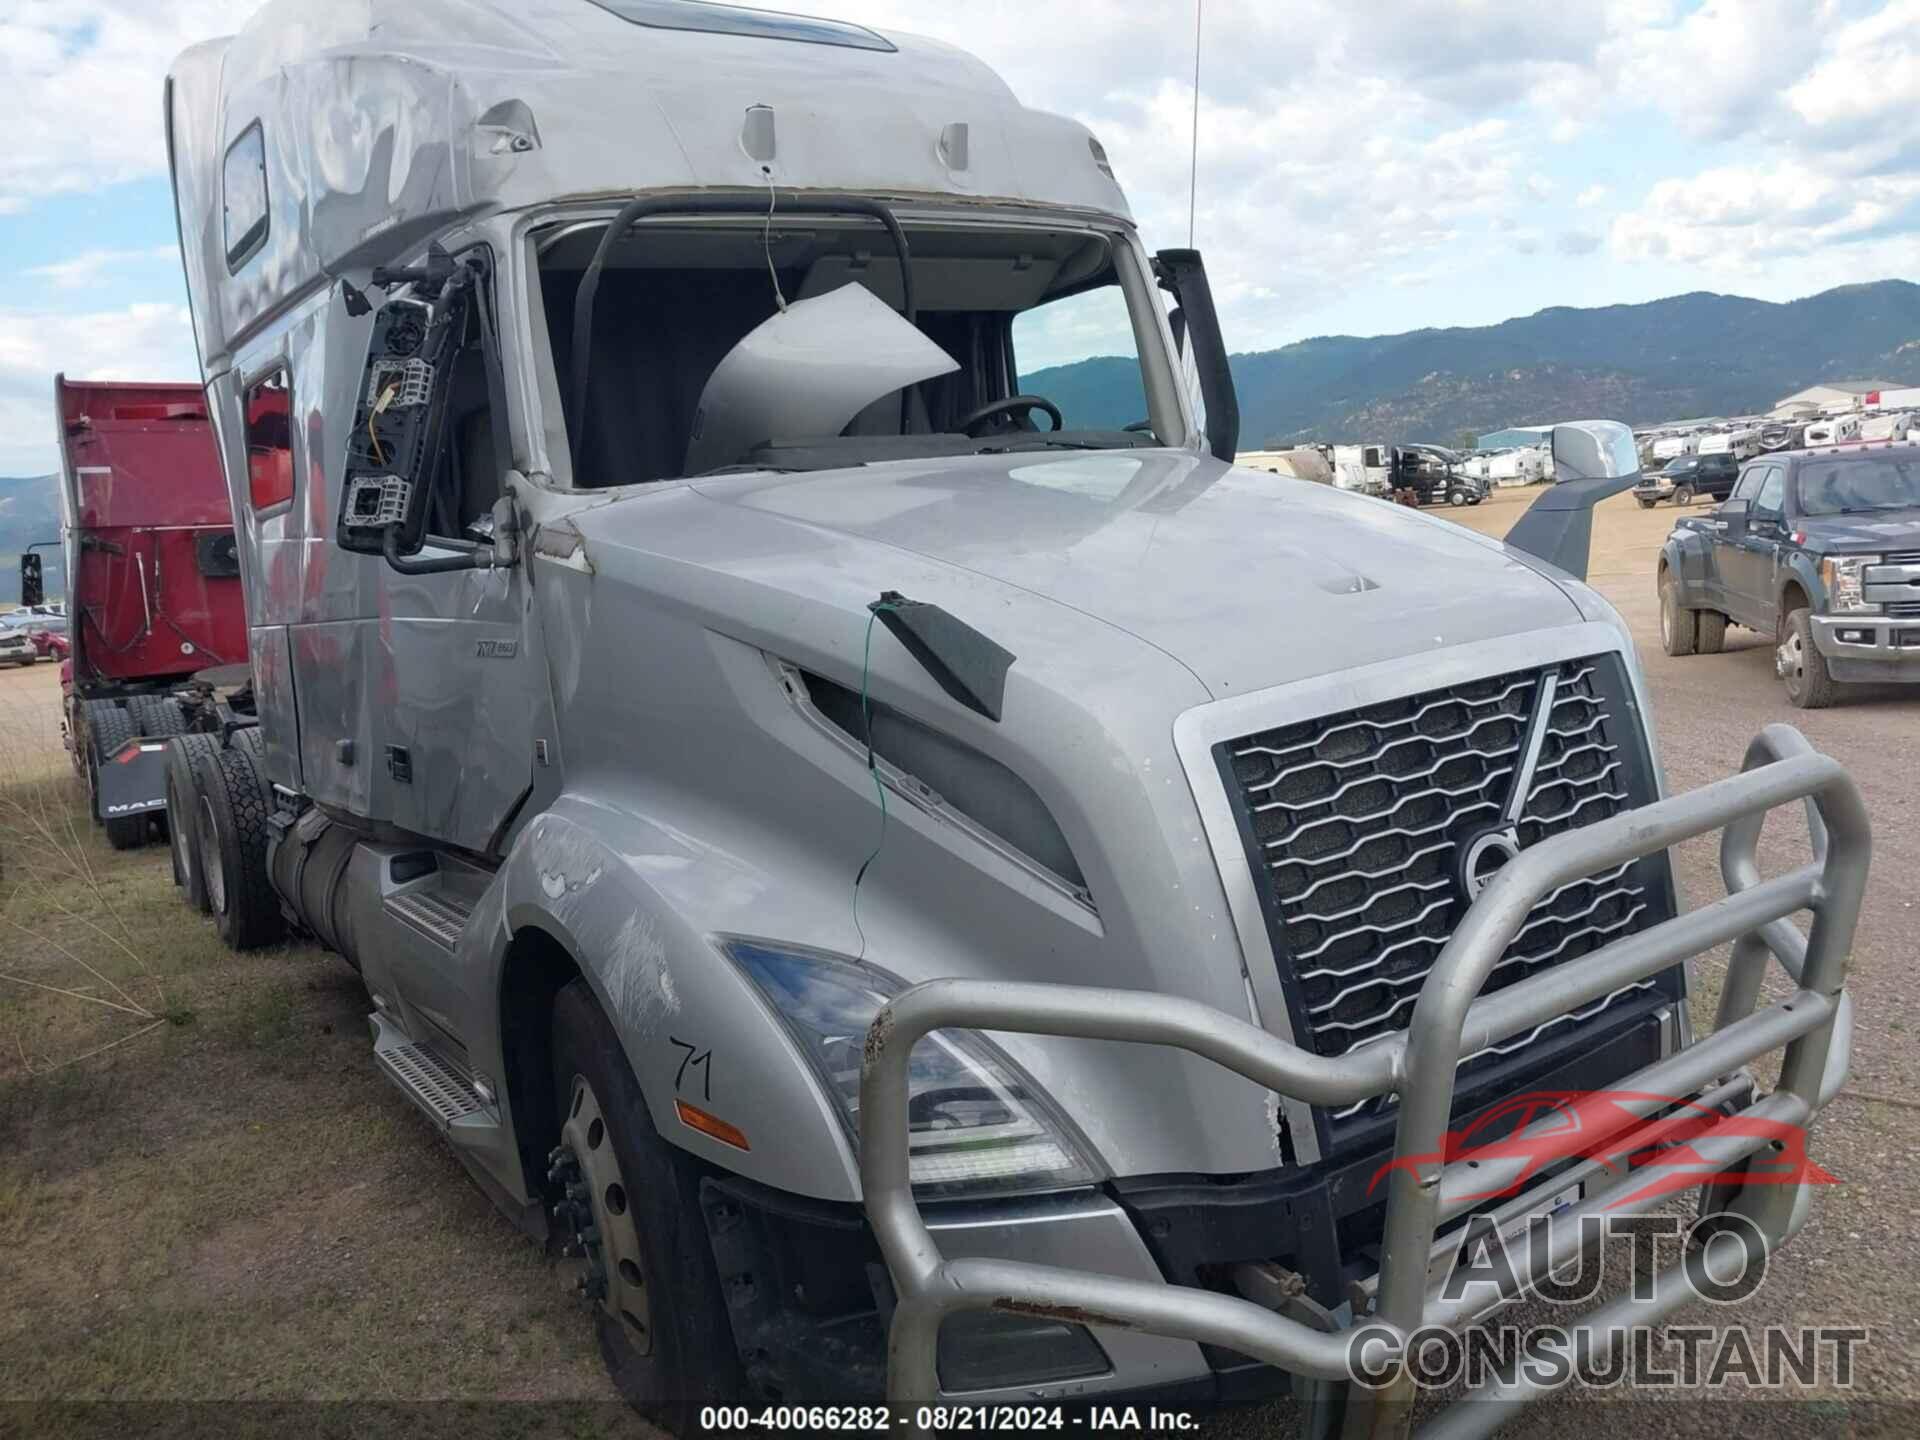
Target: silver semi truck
(694,661)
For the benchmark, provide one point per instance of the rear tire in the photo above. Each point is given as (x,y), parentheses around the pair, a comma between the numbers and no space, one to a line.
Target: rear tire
(1679,626)
(679,1357)
(232,834)
(186,755)
(1711,631)
(1810,685)
(156,716)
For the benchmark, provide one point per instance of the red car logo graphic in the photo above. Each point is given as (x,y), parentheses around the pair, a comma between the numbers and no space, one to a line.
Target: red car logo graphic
(1515,1142)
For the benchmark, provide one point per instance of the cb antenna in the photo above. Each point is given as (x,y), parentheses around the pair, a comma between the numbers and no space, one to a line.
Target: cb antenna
(1193,157)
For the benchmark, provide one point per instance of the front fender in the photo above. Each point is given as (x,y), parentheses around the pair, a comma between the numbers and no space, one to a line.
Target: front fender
(608,886)
(1799,570)
(1686,556)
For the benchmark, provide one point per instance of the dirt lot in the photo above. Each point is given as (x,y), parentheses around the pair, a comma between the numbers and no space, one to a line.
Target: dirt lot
(208,1195)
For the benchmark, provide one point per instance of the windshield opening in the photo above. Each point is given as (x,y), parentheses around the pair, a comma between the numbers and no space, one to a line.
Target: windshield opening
(730,345)
(1856,484)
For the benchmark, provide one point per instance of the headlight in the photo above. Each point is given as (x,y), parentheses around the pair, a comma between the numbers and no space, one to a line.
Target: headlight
(975,1121)
(1845,577)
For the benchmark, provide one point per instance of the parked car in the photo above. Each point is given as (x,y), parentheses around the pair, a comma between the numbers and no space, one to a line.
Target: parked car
(16,646)
(1819,549)
(1712,475)
(52,644)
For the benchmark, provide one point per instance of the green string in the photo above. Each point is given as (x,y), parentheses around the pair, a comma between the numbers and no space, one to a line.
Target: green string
(879,789)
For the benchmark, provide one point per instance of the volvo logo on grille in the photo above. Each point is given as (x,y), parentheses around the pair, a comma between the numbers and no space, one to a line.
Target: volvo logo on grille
(1486,851)
(1482,857)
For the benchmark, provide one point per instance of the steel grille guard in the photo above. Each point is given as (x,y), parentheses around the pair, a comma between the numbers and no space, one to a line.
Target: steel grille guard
(1814,1025)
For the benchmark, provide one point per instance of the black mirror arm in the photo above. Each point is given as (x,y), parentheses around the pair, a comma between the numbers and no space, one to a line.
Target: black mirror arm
(468,556)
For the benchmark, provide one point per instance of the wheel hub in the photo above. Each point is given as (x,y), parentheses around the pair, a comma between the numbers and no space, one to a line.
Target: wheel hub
(1788,659)
(595,1214)
(210,866)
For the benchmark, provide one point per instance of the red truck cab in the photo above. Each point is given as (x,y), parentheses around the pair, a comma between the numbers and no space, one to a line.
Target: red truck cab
(153,580)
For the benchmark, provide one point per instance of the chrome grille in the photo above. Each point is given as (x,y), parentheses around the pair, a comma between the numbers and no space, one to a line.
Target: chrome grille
(1903,609)
(1901,557)
(1358,819)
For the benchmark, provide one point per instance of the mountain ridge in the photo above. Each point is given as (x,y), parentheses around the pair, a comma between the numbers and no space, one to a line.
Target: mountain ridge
(1698,353)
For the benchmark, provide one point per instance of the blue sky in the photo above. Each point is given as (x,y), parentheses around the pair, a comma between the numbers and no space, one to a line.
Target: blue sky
(1363,168)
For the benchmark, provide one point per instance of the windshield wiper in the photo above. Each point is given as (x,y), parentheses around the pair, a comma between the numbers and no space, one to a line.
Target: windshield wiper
(1041,442)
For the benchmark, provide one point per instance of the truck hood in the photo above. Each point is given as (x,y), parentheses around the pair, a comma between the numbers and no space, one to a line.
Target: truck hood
(1248,579)
(1883,530)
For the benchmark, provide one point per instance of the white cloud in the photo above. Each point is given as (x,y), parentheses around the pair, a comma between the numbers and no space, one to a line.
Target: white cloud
(1862,96)
(1743,216)
(1592,197)
(90,266)
(136,342)
(1822,96)
(83,83)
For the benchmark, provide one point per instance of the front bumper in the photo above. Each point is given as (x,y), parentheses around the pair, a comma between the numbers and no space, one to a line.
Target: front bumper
(804,1334)
(1426,1191)
(1869,647)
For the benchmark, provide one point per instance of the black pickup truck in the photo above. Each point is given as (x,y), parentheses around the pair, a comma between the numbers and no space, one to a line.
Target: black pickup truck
(1819,549)
(1710,475)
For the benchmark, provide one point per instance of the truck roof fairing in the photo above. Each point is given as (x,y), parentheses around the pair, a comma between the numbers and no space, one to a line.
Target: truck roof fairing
(386,122)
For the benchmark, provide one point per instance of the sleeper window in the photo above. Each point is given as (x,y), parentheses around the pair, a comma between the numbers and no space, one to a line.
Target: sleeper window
(243,189)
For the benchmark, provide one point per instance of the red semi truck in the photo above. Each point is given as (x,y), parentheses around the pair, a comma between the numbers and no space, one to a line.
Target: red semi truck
(153,581)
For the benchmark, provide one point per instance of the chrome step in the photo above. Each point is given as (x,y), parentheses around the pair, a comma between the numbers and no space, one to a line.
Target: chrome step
(440,1086)
(440,915)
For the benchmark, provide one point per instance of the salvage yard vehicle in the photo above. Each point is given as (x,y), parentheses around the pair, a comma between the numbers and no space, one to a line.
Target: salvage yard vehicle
(16,646)
(154,579)
(1712,475)
(1819,549)
(688,675)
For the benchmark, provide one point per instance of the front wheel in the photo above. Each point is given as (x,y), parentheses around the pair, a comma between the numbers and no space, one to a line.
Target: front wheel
(1648,504)
(1683,495)
(1810,685)
(1679,626)
(633,1211)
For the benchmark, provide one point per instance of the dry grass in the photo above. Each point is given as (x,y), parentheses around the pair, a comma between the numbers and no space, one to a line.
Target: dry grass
(206,1192)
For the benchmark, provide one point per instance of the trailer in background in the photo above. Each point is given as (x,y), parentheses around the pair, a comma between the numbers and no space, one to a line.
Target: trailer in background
(1833,430)
(153,578)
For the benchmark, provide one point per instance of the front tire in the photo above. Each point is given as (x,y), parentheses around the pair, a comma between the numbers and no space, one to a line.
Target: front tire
(662,1321)
(1679,626)
(1683,495)
(1810,685)
(1648,504)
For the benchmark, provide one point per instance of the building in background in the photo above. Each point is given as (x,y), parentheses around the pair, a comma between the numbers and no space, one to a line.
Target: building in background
(1825,398)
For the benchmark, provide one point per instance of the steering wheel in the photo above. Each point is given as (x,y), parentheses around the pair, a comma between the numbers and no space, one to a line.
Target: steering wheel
(1016,406)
